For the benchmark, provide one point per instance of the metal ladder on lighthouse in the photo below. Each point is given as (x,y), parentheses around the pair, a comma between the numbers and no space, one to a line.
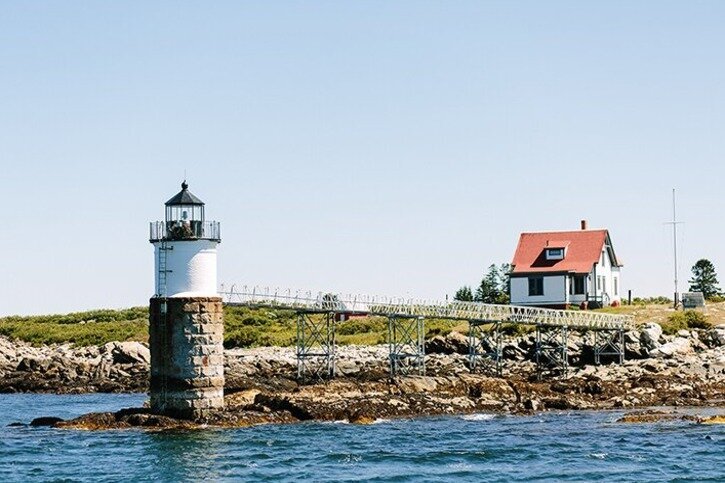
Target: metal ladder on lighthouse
(162,292)
(163,268)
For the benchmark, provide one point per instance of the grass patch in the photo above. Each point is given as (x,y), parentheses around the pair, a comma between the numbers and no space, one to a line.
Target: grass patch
(243,327)
(92,333)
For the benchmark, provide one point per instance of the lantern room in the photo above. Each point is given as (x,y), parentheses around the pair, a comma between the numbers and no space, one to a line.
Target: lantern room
(185,213)
(184,219)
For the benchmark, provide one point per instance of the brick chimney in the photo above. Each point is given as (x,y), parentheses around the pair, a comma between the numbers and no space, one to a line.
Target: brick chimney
(584,224)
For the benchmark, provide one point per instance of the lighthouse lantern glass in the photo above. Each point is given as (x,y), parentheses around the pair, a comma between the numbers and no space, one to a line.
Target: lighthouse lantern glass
(184,221)
(183,213)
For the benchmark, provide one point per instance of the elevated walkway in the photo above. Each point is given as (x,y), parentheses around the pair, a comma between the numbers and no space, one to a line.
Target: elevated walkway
(316,338)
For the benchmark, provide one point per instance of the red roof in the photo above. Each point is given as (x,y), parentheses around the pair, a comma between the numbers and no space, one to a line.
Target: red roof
(583,250)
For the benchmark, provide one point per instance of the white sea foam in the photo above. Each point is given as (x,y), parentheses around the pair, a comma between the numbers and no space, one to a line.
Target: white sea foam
(380,421)
(478,417)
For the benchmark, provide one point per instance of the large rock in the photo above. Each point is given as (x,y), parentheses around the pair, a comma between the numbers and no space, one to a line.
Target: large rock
(679,346)
(128,352)
(7,351)
(34,364)
(717,335)
(633,346)
(513,352)
(453,343)
(650,334)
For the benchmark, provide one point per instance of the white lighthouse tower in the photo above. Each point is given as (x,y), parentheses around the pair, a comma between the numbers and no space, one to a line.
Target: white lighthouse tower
(186,329)
(185,247)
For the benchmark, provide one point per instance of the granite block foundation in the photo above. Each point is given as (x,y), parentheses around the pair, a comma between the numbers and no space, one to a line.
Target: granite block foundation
(186,337)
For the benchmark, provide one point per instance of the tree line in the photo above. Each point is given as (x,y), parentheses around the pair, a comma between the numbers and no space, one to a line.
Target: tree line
(493,289)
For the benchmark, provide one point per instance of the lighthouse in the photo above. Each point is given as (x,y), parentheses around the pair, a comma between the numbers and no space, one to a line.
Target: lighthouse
(186,331)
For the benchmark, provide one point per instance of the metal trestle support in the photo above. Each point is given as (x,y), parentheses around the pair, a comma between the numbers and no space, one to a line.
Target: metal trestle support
(484,347)
(551,350)
(407,345)
(609,343)
(316,352)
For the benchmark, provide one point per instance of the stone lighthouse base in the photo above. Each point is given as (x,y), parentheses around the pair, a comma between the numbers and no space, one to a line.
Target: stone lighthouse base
(186,336)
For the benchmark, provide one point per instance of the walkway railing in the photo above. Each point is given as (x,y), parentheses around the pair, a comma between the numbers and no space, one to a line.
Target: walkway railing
(402,307)
(316,345)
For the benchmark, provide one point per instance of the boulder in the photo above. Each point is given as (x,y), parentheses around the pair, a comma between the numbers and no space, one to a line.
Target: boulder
(717,335)
(453,343)
(7,351)
(513,352)
(632,346)
(128,352)
(679,346)
(45,421)
(649,335)
(347,368)
(33,364)
(532,404)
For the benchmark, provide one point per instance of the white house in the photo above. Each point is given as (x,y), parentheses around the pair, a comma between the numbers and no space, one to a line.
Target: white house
(563,268)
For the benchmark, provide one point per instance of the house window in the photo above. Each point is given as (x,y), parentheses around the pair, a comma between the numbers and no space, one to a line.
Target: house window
(578,284)
(599,282)
(536,286)
(554,253)
(615,281)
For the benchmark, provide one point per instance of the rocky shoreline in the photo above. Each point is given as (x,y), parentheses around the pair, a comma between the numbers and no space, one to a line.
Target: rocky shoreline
(687,369)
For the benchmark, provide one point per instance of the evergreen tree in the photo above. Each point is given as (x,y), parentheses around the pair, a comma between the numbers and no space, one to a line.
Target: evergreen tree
(489,291)
(493,289)
(505,283)
(704,279)
(464,294)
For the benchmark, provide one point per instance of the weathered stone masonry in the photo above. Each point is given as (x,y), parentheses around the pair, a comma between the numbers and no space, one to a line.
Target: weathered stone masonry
(187,356)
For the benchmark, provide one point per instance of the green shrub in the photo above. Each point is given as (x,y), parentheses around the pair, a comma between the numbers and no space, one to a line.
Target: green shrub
(434,331)
(675,322)
(651,301)
(103,315)
(689,319)
(242,337)
(39,333)
(362,326)
(516,329)
(696,320)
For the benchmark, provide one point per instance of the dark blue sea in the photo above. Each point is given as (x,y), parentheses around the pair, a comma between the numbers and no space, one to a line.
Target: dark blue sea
(562,446)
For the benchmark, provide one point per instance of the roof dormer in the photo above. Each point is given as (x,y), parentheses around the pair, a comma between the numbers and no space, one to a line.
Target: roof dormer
(556,250)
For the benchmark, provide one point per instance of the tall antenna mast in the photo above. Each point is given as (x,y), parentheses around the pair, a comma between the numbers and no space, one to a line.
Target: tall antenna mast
(674,224)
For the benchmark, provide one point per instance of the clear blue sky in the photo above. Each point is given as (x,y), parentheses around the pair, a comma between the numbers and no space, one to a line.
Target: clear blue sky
(378,147)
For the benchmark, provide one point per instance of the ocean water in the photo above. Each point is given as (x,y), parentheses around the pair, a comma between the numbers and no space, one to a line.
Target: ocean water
(561,446)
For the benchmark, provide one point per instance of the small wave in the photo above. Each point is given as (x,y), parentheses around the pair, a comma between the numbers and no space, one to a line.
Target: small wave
(460,466)
(380,421)
(599,456)
(350,459)
(478,417)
